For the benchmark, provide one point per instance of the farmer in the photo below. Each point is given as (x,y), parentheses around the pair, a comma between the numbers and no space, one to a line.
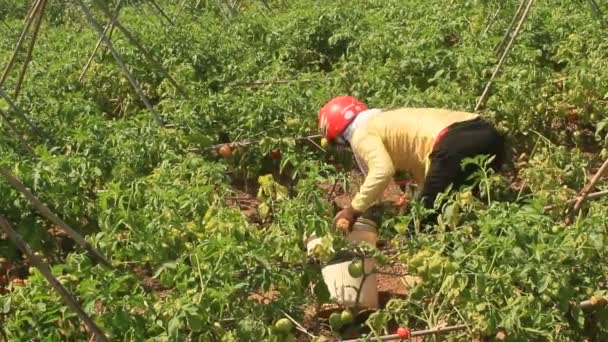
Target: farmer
(428,143)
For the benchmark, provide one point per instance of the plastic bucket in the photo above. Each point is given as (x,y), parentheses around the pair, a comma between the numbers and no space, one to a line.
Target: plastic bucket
(342,287)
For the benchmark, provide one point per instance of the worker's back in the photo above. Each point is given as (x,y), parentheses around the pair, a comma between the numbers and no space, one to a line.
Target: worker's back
(408,134)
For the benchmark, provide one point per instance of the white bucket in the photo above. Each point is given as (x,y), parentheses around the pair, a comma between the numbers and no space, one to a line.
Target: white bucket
(342,287)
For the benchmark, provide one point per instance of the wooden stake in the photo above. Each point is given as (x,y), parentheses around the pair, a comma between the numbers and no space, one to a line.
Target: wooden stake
(179,10)
(595,301)
(20,113)
(39,14)
(162,12)
(412,334)
(158,65)
(27,23)
(585,191)
(109,27)
(516,17)
(49,215)
(44,268)
(504,57)
(13,129)
(121,63)
(251,142)
(591,196)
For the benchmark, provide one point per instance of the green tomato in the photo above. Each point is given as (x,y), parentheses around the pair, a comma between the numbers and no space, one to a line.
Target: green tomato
(335,321)
(355,269)
(283,325)
(293,123)
(346,317)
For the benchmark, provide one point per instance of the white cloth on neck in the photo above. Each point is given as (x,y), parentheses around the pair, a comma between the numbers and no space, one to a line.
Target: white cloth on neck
(350,130)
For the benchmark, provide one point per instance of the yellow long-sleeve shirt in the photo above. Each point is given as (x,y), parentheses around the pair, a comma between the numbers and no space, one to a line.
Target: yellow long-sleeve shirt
(397,140)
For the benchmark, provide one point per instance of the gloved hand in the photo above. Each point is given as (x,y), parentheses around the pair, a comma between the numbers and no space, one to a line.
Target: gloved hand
(345,219)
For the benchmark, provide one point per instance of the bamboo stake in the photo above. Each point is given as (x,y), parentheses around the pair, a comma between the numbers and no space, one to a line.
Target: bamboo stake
(155,63)
(121,63)
(595,301)
(6,25)
(254,84)
(27,23)
(504,56)
(517,16)
(591,196)
(162,12)
(251,142)
(13,129)
(491,20)
(44,268)
(49,215)
(180,8)
(392,337)
(39,14)
(585,191)
(598,11)
(109,27)
(20,113)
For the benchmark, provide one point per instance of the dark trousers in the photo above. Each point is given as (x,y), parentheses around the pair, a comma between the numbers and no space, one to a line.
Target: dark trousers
(462,140)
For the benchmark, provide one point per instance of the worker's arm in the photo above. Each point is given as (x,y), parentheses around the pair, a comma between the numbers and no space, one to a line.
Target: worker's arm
(380,171)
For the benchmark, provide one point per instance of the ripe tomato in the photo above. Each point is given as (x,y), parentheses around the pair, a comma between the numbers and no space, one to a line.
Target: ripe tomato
(225,151)
(275,154)
(18,282)
(401,201)
(403,333)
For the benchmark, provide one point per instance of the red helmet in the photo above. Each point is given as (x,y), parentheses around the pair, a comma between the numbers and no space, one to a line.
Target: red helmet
(337,114)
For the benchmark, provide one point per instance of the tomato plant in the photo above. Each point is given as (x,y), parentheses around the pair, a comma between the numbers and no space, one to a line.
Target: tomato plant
(208,235)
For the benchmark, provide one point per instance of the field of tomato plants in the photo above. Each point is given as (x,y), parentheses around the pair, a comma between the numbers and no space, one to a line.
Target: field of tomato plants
(205,238)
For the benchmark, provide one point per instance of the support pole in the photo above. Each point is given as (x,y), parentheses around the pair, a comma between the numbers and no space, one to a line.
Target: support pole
(155,63)
(585,191)
(109,27)
(49,215)
(162,12)
(13,129)
(121,63)
(505,38)
(27,23)
(38,15)
(503,58)
(20,113)
(44,268)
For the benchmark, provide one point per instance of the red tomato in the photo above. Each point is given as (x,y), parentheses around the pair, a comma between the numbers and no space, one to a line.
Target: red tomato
(275,154)
(403,333)
(18,281)
(401,201)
